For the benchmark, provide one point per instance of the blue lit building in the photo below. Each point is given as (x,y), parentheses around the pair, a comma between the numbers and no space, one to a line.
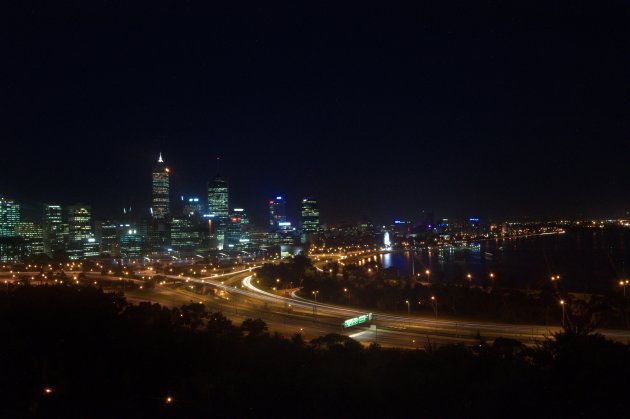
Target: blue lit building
(277,212)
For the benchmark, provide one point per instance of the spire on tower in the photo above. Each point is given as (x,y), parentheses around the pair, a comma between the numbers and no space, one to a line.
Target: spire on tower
(160,160)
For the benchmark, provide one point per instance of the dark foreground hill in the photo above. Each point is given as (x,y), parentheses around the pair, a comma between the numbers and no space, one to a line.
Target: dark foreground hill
(78,352)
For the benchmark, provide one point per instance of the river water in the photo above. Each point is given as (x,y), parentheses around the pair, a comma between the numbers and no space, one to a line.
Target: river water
(587,260)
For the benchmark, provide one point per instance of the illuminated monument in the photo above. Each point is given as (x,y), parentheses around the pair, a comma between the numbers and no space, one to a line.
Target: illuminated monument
(387,244)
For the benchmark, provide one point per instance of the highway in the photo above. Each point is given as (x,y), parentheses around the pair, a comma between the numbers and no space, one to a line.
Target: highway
(291,313)
(236,295)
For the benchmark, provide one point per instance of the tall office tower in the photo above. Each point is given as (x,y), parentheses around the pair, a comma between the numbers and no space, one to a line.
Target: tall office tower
(277,213)
(240,212)
(218,197)
(310,216)
(237,229)
(9,217)
(32,233)
(218,201)
(309,220)
(192,206)
(161,190)
(130,243)
(79,222)
(80,234)
(52,229)
(106,232)
(184,235)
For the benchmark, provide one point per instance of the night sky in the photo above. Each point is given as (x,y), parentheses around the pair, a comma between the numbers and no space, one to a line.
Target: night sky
(377,110)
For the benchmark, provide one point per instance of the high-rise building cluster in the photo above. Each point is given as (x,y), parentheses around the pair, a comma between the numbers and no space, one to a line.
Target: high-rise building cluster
(183,227)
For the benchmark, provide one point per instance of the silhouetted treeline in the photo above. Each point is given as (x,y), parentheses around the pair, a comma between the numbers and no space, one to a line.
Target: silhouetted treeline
(99,357)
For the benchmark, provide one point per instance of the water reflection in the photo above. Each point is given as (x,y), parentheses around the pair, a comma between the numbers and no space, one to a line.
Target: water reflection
(589,261)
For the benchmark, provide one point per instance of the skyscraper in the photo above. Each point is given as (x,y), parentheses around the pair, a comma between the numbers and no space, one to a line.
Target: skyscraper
(106,232)
(80,234)
(192,206)
(52,229)
(79,222)
(277,212)
(310,218)
(32,233)
(184,235)
(237,229)
(130,243)
(9,217)
(218,207)
(218,197)
(160,203)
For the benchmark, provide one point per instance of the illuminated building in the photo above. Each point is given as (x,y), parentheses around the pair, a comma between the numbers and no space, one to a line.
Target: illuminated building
(32,233)
(310,218)
(13,249)
(237,229)
(218,197)
(106,233)
(277,213)
(401,228)
(90,247)
(80,236)
(218,207)
(184,235)
(473,226)
(52,229)
(160,204)
(130,242)
(9,217)
(79,222)
(192,206)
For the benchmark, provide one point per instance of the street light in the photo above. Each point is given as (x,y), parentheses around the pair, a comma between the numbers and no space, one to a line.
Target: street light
(623,283)
(435,308)
(434,304)
(408,308)
(562,303)
(428,274)
(315,294)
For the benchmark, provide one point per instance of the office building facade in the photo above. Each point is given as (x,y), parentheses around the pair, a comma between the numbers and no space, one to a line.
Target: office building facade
(277,213)
(9,217)
(52,228)
(161,190)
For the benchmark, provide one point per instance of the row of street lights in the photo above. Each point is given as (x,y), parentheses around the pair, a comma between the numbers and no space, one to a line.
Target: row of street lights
(433,304)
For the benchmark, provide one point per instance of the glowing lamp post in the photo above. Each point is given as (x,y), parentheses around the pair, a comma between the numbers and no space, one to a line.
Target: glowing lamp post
(435,307)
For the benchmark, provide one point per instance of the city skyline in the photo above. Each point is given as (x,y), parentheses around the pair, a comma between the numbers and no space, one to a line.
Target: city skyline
(31,208)
(320,209)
